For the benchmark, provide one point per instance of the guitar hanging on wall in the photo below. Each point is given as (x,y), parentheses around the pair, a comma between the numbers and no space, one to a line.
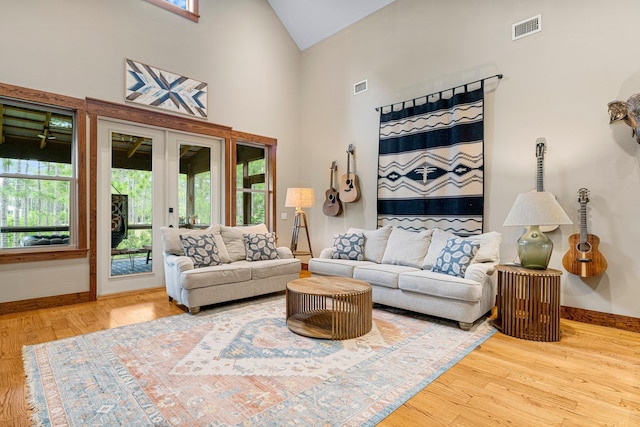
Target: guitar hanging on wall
(332,205)
(541,148)
(583,258)
(349,183)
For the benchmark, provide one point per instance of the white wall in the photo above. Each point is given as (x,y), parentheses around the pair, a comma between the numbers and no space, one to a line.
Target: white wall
(557,84)
(77,48)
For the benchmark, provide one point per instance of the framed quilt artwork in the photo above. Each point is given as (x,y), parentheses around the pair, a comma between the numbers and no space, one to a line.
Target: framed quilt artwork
(154,87)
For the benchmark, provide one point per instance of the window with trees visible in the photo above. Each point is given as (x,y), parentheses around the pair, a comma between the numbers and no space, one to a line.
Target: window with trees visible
(194,185)
(37,176)
(250,185)
(253,180)
(186,8)
(132,179)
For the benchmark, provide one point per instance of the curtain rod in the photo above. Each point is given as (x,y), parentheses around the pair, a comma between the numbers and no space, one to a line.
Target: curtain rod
(498,76)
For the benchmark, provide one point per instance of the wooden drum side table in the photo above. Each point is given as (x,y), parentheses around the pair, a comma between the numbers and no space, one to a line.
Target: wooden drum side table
(528,303)
(329,307)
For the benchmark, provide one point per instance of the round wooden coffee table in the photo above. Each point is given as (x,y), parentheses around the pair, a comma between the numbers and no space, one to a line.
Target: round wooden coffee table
(329,307)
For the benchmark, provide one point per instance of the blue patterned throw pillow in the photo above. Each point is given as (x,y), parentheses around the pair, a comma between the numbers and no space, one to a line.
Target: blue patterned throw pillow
(456,256)
(260,247)
(201,249)
(348,246)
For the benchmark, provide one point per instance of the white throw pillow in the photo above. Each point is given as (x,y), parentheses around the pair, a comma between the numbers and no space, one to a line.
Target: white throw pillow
(407,247)
(233,238)
(375,242)
(438,242)
(489,246)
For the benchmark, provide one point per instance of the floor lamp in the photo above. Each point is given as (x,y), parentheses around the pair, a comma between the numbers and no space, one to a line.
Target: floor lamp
(299,198)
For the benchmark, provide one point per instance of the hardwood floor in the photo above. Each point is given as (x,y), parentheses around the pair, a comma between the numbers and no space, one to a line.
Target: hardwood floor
(32,327)
(590,377)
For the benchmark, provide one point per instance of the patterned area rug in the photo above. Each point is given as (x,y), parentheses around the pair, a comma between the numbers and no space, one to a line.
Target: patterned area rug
(240,365)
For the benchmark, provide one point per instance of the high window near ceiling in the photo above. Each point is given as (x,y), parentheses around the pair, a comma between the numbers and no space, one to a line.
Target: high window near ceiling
(38,177)
(185,8)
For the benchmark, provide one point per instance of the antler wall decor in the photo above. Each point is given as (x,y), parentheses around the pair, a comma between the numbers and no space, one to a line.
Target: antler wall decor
(627,111)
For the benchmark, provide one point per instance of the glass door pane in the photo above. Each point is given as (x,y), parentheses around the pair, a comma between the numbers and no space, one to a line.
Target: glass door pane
(194,186)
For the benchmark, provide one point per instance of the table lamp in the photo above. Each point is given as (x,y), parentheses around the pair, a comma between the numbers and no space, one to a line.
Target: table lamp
(299,198)
(531,210)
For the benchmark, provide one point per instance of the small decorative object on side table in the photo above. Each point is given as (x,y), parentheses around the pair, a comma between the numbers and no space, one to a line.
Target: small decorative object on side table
(528,303)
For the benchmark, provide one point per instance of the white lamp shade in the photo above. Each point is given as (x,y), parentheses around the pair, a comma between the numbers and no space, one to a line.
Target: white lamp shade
(536,208)
(299,198)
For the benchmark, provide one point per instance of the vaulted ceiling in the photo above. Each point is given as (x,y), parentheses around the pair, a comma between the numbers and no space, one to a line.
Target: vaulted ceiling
(310,21)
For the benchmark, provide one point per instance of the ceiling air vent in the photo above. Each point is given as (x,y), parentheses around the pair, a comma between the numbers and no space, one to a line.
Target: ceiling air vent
(526,28)
(360,87)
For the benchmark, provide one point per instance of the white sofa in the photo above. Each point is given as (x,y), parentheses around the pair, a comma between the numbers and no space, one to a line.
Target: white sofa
(405,270)
(232,275)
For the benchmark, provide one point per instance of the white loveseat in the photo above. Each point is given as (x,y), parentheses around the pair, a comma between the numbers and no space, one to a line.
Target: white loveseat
(399,265)
(232,274)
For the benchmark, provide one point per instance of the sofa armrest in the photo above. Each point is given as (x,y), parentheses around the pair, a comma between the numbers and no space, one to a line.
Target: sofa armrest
(178,263)
(478,271)
(284,252)
(326,253)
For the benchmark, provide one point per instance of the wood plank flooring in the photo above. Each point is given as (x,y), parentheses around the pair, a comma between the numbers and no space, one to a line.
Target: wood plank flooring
(591,377)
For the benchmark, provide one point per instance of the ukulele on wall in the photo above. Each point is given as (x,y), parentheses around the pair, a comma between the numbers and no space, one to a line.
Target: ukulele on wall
(332,205)
(541,148)
(349,183)
(583,258)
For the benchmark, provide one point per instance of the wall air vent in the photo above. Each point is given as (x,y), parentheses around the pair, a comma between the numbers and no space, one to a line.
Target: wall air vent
(526,28)
(360,87)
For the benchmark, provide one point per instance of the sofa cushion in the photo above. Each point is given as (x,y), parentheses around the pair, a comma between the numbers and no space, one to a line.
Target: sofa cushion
(375,242)
(407,247)
(438,241)
(441,285)
(214,275)
(171,240)
(201,249)
(266,269)
(456,256)
(260,246)
(478,271)
(381,274)
(489,246)
(233,238)
(335,267)
(348,246)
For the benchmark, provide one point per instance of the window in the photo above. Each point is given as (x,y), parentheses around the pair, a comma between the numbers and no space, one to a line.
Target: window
(185,8)
(131,201)
(194,187)
(253,180)
(37,176)
(251,191)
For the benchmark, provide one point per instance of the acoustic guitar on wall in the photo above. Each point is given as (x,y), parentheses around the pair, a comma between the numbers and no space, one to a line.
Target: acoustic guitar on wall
(349,184)
(541,149)
(583,257)
(332,205)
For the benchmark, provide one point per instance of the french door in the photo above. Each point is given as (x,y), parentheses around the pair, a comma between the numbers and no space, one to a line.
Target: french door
(148,178)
